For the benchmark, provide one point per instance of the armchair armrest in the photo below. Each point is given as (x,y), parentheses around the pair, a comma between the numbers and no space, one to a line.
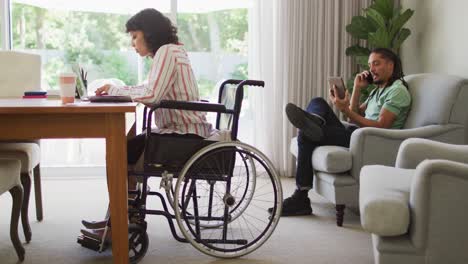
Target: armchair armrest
(380,146)
(414,151)
(437,203)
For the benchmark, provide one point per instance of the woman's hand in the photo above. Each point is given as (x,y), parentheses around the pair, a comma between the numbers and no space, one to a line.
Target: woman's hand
(341,104)
(360,81)
(103,90)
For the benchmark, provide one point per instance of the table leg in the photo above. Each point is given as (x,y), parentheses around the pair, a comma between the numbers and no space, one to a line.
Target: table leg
(116,160)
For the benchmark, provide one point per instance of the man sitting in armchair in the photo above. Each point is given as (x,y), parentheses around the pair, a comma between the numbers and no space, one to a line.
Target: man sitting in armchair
(386,107)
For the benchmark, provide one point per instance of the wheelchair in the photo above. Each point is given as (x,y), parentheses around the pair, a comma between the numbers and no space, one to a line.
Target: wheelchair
(225,196)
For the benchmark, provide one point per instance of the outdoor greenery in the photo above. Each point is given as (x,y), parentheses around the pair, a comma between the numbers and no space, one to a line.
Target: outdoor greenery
(380,26)
(99,42)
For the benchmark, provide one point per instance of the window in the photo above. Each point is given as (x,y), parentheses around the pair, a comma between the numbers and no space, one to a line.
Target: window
(92,34)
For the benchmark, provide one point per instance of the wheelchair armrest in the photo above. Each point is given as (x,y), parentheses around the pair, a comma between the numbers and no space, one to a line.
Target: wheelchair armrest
(193,106)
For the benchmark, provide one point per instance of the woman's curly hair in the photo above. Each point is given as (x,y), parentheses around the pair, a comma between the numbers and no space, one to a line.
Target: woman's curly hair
(157,28)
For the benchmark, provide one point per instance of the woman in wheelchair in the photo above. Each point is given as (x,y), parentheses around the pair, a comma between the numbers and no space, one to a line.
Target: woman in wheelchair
(171,77)
(221,190)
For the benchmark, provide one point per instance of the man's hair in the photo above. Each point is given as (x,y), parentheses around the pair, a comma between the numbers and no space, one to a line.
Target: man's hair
(397,74)
(157,29)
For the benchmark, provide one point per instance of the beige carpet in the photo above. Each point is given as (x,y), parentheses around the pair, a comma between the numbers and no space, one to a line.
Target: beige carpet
(312,239)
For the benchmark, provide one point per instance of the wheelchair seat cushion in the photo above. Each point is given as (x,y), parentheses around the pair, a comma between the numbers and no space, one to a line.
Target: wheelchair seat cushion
(170,151)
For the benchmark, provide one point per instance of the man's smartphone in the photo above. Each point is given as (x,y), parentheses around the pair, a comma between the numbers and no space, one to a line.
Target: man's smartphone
(369,78)
(340,86)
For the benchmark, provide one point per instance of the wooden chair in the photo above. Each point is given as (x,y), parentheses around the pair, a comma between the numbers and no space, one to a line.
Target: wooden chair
(10,181)
(22,72)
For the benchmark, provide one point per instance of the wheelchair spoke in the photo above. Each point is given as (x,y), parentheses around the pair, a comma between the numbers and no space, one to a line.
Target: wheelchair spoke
(228,215)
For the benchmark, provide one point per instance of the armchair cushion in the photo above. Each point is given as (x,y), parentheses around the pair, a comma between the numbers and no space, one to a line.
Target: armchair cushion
(332,159)
(434,97)
(384,199)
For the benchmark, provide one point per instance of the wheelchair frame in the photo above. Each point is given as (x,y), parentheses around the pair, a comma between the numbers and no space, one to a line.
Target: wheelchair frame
(212,222)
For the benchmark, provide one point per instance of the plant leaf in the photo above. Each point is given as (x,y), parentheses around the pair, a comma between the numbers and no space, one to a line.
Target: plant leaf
(363,61)
(380,39)
(359,27)
(378,19)
(357,50)
(384,7)
(398,22)
(404,34)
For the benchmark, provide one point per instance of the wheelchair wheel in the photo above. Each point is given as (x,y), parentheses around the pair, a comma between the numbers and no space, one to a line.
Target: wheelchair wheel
(137,243)
(246,187)
(228,187)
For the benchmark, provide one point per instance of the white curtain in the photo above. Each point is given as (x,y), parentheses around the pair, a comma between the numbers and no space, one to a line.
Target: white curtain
(294,46)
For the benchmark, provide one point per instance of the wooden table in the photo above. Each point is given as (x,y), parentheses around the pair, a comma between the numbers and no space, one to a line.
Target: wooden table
(22,119)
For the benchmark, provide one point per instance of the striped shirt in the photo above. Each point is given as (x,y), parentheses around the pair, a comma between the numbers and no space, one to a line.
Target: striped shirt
(171,78)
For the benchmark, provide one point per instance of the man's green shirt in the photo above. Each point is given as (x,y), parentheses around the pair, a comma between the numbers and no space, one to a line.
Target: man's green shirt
(394,98)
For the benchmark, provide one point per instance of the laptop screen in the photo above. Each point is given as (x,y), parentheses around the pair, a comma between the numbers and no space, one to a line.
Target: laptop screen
(80,86)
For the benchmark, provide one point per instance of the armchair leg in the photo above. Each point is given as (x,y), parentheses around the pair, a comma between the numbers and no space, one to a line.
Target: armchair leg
(340,214)
(38,192)
(17,195)
(26,182)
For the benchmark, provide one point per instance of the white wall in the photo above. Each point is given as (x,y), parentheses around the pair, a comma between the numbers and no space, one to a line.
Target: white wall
(439,39)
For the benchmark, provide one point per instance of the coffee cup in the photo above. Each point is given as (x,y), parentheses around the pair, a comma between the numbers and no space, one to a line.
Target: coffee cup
(67,85)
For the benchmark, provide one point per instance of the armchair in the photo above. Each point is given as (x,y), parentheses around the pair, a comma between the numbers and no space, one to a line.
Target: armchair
(416,211)
(438,112)
(20,72)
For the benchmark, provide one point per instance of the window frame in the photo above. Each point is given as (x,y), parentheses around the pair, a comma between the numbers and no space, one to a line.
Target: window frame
(6,37)
(5,25)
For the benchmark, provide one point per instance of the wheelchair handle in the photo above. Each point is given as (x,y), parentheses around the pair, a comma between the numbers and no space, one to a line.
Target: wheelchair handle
(243,82)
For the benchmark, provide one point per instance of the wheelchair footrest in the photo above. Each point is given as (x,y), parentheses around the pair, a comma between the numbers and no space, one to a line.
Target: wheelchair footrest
(89,242)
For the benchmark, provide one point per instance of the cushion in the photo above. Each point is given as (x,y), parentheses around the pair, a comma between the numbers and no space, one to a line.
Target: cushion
(10,174)
(28,153)
(384,199)
(433,97)
(332,159)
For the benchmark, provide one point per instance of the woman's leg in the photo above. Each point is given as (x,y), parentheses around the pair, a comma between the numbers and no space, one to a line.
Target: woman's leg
(135,147)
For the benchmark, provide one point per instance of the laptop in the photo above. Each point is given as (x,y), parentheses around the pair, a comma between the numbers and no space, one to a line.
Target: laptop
(109,99)
(82,92)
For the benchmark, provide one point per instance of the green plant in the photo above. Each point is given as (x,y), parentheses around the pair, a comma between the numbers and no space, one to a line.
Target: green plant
(241,72)
(380,26)
(115,65)
(206,87)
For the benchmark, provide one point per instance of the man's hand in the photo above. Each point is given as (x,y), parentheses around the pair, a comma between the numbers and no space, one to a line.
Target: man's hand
(103,90)
(341,104)
(360,81)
